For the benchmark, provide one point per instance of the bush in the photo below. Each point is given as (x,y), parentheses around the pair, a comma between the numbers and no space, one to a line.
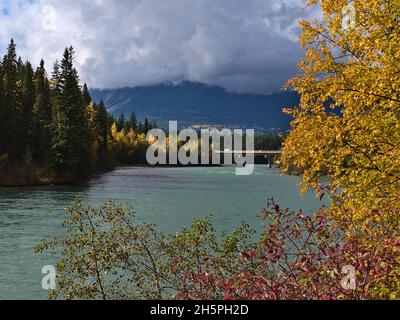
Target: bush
(105,255)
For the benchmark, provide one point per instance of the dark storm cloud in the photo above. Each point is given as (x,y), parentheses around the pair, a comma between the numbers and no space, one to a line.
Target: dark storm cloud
(244,46)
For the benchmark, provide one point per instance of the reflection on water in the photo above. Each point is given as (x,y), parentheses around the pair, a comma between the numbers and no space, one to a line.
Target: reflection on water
(168,197)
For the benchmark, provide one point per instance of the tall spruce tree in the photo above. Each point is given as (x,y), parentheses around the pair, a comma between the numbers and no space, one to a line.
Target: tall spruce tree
(3,145)
(20,69)
(90,110)
(87,99)
(121,122)
(55,97)
(42,115)
(58,121)
(28,100)
(71,142)
(11,104)
(133,122)
(103,126)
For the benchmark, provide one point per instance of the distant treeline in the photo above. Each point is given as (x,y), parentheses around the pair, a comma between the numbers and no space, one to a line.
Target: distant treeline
(268,142)
(52,122)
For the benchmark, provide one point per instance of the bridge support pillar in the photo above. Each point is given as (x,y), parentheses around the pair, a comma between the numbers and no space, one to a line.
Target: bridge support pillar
(269,161)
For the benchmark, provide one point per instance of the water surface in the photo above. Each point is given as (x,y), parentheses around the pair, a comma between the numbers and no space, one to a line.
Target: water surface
(168,197)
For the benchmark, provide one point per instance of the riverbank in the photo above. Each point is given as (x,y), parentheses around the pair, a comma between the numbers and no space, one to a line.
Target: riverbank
(30,175)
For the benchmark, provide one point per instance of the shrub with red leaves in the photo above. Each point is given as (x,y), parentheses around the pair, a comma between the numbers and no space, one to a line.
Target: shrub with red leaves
(296,257)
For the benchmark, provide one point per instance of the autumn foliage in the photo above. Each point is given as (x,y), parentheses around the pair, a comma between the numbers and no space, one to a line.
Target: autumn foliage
(347,126)
(346,130)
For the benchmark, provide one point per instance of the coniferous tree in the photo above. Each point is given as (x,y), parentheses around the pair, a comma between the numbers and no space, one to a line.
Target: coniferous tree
(55,98)
(11,104)
(28,100)
(42,115)
(133,122)
(90,110)
(3,134)
(103,126)
(71,144)
(140,127)
(58,121)
(121,122)
(127,127)
(20,69)
(55,80)
(146,126)
(87,99)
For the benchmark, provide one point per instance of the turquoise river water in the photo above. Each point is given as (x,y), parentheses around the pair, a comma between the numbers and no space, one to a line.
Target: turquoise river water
(168,197)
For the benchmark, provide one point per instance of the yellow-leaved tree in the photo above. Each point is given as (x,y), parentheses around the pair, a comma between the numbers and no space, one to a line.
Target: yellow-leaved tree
(345,136)
(346,130)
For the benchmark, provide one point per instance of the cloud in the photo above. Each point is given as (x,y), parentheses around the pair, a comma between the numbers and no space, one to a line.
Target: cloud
(243,46)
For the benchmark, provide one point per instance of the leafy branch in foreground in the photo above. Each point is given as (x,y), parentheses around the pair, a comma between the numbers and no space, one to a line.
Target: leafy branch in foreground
(106,255)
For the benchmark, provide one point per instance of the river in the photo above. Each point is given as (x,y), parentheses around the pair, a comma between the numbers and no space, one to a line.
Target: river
(168,197)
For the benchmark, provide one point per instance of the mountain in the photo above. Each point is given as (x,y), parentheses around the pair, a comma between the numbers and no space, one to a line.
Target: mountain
(198,104)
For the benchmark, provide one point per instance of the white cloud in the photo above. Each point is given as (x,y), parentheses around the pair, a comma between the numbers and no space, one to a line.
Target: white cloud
(244,46)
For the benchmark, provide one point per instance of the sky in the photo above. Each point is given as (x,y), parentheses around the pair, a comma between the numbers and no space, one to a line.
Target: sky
(243,46)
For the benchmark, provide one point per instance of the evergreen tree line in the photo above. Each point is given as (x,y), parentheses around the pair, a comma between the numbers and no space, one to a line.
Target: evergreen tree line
(134,124)
(52,122)
(269,142)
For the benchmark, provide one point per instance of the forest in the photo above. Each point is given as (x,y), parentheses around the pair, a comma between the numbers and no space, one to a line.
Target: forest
(51,131)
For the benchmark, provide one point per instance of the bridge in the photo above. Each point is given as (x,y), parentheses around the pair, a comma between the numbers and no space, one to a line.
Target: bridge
(268,154)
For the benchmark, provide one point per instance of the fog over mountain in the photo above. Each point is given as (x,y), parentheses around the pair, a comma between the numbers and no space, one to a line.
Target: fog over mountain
(193,103)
